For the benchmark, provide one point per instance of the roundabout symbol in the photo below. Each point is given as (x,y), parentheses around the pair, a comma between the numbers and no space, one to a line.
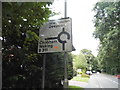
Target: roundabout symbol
(59,38)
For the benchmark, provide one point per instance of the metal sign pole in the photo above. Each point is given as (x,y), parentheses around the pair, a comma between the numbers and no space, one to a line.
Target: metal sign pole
(65,56)
(65,12)
(43,71)
(65,71)
(0,45)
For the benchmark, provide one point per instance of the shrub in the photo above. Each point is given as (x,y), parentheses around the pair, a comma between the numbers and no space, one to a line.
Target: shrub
(85,75)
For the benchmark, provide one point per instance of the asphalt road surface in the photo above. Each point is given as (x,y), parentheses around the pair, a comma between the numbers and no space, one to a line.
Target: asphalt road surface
(103,81)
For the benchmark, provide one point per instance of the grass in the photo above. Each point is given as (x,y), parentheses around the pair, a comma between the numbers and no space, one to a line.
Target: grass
(79,78)
(75,87)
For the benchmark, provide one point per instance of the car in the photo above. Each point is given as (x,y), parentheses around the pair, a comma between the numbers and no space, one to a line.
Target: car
(93,71)
(88,72)
(98,72)
(118,76)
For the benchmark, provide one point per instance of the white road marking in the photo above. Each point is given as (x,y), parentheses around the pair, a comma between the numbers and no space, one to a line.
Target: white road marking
(111,80)
(98,82)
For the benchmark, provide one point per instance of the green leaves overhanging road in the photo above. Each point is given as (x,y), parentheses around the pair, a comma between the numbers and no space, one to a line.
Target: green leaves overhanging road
(107,23)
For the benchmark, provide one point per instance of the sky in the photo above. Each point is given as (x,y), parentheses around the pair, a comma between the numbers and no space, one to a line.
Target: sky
(82,23)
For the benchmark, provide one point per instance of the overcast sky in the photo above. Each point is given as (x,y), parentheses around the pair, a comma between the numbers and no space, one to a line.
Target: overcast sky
(82,25)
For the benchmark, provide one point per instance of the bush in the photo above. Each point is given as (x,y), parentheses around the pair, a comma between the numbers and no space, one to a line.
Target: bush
(85,75)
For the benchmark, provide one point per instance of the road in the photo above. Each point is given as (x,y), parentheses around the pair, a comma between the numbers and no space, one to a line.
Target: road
(103,81)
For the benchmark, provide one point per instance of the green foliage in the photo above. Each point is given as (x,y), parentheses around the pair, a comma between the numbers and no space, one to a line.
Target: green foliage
(55,68)
(70,66)
(79,61)
(88,55)
(85,75)
(31,36)
(75,87)
(22,65)
(107,23)
(90,58)
(85,60)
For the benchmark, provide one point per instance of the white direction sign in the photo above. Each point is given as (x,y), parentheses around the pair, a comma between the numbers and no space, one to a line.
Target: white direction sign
(56,36)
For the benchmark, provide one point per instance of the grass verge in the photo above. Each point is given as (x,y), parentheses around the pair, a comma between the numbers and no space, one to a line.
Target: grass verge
(79,78)
(75,87)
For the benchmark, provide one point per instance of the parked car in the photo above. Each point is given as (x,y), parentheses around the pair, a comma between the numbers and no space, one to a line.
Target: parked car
(88,72)
(98,71)
(93,71)
(118,76)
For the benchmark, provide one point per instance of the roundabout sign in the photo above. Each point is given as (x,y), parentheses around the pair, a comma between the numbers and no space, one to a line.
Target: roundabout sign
(56,36)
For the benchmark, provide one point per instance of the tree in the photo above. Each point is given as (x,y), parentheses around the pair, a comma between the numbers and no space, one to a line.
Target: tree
(88,55)
(55,69)
(90,58)
(22,65)
(79,61)
(107,23)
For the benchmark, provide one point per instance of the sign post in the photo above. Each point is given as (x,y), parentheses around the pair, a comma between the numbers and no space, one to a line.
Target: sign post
(43,71)
(65,56)
(56,36)
(65,84)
